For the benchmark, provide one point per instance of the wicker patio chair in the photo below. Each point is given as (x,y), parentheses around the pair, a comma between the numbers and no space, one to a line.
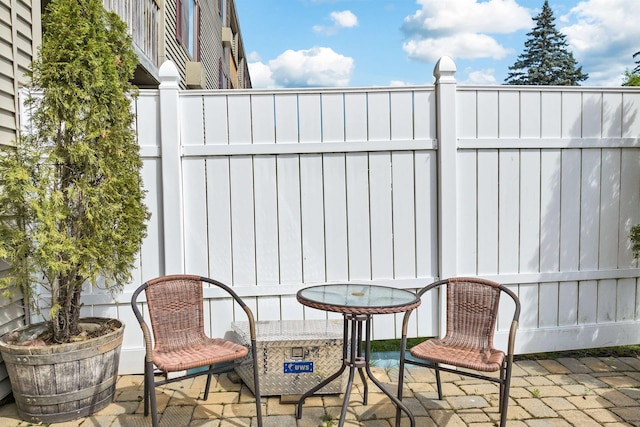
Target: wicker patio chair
(472,310)
(176,315)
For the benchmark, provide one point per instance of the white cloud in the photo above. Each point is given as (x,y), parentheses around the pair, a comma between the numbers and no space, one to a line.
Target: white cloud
(460,28)
(343,19)
(464,46)
(481,77)
(253,57)
(315,67)
(603,36)
(260,75)
(399,83)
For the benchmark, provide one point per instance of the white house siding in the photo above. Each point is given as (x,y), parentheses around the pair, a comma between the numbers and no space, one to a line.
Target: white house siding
(20,34)
(211,43)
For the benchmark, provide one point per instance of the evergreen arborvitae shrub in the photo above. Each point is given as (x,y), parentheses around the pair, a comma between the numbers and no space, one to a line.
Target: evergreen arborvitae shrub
(71,196)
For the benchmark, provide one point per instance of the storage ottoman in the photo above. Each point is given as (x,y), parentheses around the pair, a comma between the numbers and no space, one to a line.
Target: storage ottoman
(295,355)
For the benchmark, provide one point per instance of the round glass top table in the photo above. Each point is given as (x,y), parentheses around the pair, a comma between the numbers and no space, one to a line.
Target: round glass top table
(357,303)
(358,299)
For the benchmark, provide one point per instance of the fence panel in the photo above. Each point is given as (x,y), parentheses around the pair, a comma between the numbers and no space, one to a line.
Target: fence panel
(270,191)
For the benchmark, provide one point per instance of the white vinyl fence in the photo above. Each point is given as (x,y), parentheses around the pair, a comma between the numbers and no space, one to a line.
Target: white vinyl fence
(270,191)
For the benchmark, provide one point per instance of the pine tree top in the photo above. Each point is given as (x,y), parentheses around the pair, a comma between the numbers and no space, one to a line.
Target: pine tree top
(546,59)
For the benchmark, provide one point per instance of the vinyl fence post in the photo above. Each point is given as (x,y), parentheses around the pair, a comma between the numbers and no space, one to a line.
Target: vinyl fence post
(447,157)
(172,199)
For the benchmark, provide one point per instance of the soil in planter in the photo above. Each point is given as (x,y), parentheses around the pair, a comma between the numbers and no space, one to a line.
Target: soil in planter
(42,335)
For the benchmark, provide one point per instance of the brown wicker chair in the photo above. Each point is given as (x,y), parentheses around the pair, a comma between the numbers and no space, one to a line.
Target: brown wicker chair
(472,310)
(176,316)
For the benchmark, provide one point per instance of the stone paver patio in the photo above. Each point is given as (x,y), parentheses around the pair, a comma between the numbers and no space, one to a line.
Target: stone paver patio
(589,391)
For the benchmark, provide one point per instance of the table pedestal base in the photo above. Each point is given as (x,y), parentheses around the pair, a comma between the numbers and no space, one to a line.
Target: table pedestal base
(354,358)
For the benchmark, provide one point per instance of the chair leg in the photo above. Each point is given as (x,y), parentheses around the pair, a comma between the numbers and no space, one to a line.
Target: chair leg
(403,349)
(146,389)
(151,393)
(437,370)
(256,383)
(504,396)
(206,387)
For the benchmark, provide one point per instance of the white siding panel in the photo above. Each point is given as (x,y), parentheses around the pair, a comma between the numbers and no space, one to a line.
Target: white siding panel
(630,113)
(509,115)
(529,301)
(192,129)
(404,219)
(509,211)
(590,218)
(487,212)
(242,221)
(530,212)
(239,119)
(466,114)
(550,188)
(611,115)
(609,209)
(629,204)
(424,115)
(263,119)
(426,195)
(592,115)
(607,299)
(286,118)
(289,219)
(219,220)
(215,118)
(379,116)
(147,125)
(627,296)
(551,117)
(467,214)
(488,114)
(290,308)
(587,302)
(401,115)
(548,300)
(269,308)
(195,217)
(568,306)
(335,211)
(313,230)
(266,220)
(358,216)
(571,115)
(310,118)
(355,113)
(333,117)
(570,211)
(381,215)
(530,116)
(151,252)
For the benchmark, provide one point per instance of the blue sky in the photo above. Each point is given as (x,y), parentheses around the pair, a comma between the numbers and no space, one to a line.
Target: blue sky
(314,43)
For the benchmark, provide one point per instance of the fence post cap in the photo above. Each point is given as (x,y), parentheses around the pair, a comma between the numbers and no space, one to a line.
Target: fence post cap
(444,70)
(169,75)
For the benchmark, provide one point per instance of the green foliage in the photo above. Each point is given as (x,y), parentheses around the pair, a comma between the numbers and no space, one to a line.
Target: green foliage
(631,78)
(546,60)
(71,198)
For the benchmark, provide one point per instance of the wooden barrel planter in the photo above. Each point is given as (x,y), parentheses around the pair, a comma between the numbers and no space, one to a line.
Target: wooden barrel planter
(62,382)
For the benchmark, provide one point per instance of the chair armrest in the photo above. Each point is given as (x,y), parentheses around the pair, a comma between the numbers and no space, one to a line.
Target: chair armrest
(245,307)
(146,332)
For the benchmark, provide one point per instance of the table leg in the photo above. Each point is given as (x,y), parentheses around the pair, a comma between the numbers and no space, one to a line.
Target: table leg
(345,355)
(394,399)
(357,359)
